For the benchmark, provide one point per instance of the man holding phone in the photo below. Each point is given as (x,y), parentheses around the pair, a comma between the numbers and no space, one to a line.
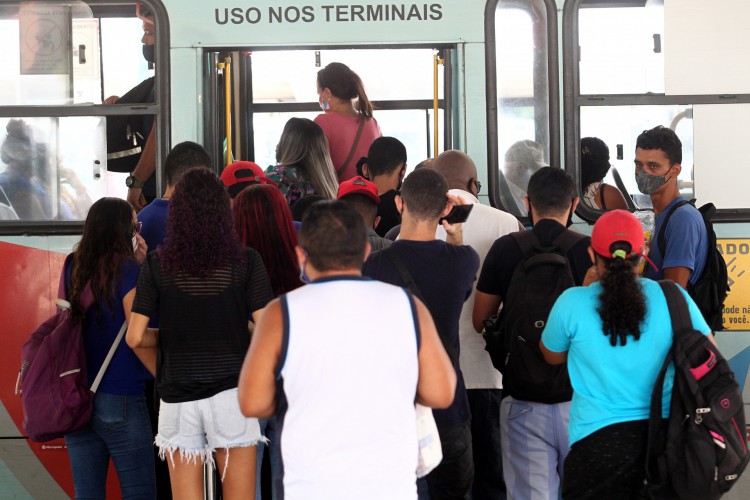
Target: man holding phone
(484,383)
(444,274)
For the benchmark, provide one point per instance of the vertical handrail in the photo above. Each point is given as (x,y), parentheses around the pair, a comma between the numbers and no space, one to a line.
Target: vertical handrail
(437,61)
(227,67)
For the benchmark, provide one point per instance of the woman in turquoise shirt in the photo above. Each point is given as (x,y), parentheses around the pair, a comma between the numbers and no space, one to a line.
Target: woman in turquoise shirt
(614,335)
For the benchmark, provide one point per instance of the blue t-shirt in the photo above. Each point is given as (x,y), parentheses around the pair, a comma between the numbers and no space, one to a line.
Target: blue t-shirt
(444,274)
(612,384)
(154,218)
(125,374)
(685,242)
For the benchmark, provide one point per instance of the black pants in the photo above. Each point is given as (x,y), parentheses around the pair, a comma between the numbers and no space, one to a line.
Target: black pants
(485,441)
(451,480)
(610,463)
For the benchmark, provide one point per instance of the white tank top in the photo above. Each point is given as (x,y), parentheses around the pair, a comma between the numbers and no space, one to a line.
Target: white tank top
(346,389)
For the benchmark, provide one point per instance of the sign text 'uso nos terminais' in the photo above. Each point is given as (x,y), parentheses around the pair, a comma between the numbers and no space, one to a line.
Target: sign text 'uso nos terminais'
(330,13)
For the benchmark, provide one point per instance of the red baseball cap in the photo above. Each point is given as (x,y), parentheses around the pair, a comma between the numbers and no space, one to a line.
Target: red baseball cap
(614,226)
(240,174)
(359,185)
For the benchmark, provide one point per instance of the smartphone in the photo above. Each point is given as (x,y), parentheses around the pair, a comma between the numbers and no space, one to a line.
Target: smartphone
(458,214)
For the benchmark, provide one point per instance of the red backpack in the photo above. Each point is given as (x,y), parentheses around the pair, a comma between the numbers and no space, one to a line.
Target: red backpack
(54,385)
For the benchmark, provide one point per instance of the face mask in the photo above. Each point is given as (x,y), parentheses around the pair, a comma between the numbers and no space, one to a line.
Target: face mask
(570,217)
(304,278)
(148,53)
(134,239)
(324,105)
(649,184)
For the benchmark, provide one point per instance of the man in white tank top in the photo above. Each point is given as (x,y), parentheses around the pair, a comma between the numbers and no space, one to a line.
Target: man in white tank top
(341,381)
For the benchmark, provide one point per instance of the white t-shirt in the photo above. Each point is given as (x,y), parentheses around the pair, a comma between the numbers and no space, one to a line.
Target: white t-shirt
(484,226)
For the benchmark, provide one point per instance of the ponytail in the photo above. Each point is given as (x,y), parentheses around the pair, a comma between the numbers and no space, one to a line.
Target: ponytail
(345,84)
(622,305)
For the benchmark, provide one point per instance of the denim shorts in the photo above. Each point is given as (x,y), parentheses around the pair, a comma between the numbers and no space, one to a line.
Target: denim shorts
(198,428)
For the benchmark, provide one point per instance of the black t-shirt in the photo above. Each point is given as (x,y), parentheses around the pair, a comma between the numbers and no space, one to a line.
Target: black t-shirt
(444,274)
(203,336)
(505,255)
(387,212)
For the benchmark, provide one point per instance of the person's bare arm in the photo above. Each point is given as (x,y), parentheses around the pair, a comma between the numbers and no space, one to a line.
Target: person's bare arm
(144,170)
(485,305)
(679,275)
(613,198)
(437,377)
(551,357)
(257,386)
(147,355)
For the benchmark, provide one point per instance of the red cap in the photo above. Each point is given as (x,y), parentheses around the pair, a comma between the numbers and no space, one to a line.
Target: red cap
(245,172)
(617,225)
(358,185)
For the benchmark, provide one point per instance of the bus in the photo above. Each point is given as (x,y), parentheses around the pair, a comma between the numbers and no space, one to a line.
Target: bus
(473,75)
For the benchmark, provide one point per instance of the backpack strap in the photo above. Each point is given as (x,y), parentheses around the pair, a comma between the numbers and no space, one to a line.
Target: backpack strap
(527,242)
(86,298)
(661,237)
(408,280)
(567,240)
(656,466)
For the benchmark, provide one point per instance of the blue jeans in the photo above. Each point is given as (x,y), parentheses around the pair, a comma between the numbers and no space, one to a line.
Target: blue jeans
(535,443)
(485,441)
(268,429)
(119,429)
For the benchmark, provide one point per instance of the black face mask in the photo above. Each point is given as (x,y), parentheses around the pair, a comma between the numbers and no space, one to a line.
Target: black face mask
(148,53)
(570,217)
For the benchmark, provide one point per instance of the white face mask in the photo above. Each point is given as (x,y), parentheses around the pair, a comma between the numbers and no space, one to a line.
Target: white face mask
(134,239)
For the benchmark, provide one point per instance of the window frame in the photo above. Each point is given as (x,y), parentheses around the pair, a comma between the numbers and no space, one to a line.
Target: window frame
(160,109)
(573,101)
(553,75)
(213,126)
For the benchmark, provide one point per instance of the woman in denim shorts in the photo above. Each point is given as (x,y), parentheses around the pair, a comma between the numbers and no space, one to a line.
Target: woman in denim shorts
(206,288)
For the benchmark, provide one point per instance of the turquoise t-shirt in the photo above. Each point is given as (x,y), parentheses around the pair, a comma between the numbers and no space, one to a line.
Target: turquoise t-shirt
(612,384)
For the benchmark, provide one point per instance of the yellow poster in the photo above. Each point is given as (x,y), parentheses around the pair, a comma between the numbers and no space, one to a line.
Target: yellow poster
(736,254)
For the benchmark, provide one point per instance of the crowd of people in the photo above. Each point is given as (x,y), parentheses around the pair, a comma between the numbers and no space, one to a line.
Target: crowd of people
(304,310)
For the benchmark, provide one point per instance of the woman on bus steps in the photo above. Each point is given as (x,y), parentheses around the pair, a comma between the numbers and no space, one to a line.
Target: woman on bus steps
(347,121)
(108,257)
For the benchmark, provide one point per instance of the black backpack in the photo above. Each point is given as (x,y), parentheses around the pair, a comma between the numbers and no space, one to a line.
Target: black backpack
(701,450)
(127,134)
(710,291)
(513,341)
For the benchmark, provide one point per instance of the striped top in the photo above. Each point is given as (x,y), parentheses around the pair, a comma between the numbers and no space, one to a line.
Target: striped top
(203,335)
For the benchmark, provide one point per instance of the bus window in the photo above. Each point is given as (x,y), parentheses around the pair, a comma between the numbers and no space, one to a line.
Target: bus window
(60,57)
(636,65)
(398,81)
(526,115)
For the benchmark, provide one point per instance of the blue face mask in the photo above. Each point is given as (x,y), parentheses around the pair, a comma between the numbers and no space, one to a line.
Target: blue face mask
(303,277)
(324,105)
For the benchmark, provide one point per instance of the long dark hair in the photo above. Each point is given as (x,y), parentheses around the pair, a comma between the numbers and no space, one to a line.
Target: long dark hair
(622,305)
(106,242)
(264,222)
(345,84)
(200,237)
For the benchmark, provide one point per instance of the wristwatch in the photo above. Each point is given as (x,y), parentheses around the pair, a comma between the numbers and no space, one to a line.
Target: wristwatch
(132,182)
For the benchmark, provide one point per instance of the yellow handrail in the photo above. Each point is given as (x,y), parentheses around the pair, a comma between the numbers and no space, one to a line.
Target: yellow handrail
(437,61)
(227,67)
